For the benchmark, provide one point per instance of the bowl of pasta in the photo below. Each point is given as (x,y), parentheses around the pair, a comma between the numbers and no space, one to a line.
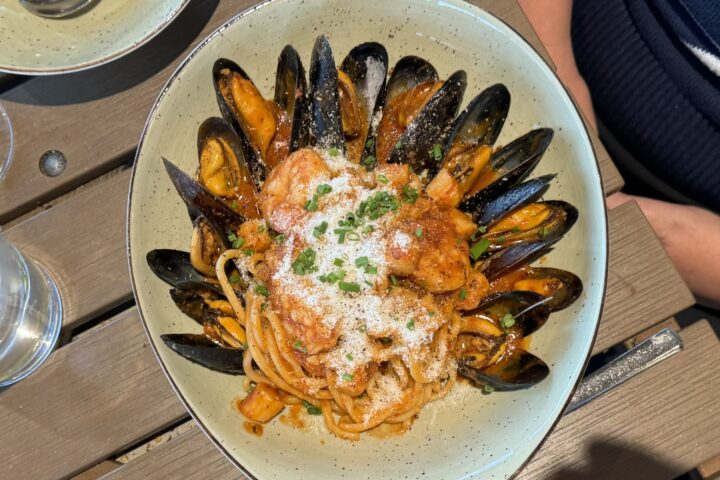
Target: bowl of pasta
(381,253)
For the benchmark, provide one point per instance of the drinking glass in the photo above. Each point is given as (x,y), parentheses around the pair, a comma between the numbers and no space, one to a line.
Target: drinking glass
(30,314)
(55,8)
(6,142)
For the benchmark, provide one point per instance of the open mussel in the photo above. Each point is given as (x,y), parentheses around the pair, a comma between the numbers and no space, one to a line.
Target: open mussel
(361,83)
(175,268)
(203,351)
(509,166)
(223,170)
(291,97)
(518,371)
(516,197)
(561,287)
(326,129)
(515,256)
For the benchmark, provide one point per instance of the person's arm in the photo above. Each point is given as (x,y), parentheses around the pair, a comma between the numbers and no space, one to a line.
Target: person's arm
(689,234)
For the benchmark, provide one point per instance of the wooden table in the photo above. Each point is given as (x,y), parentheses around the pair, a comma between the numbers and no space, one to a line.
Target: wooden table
(101,404)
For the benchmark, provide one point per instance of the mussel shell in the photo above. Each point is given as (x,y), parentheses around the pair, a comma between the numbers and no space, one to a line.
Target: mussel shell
(518,196)
(408,73)
(174,268)
(325,120)
(566,295)
(251,153)
(481,122)
(291,95)
(514,162)
(515,256)
(201,202)
(519,371)
(203,351)
(215,127)
(431,126)
(529,309)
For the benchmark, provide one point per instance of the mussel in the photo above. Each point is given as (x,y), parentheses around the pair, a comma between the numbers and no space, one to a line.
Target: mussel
(560,286)
(175,268)
(489,345)
(515,256)
(203,351)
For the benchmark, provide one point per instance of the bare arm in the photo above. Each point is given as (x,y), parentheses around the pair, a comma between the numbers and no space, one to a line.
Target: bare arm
(689,234)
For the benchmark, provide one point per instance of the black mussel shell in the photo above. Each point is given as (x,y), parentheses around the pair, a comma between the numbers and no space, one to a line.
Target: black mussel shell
(513,162)
(519,371)
(325,120)
(291,95)
(201,203)
(203,351)
(569,291)
(174,268)
(189,300)
(251,153)
(518,196)
(215,127)
(430,127)
(481,122)
(515,256)
(529,309)
(408,73)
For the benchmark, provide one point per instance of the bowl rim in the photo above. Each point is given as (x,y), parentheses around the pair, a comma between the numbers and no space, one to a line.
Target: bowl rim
(47,71)
(173,77)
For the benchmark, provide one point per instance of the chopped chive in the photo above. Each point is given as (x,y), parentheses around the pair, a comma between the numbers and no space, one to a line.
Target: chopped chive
(368,162)
(263,306)
(368,229)
(482,229)
(324,189)
(305,262)
(479,248)
(320,229)
(515,229)
(341,274)
(251,387)
(333,152)
(369,284)
(261,228)
(349,357)
(371,269)
(437,152)
(419,232)
(234,204)
(462,295)
(398,145)
(361,261)
(488,389)
(386,340)
(236,241)
(235,278)
(353,236)
(312,204)
(349,287)
(541,232)
(382,178)
(507,321)
(245,345)
(393,279)
(262,290)
(431,313)
(369,143)
(299,346)
(410,325)
(347,377)
(311,409)
(499,240)
(248,252)
(338,262)
(341,232)
(410,194)
(279,238)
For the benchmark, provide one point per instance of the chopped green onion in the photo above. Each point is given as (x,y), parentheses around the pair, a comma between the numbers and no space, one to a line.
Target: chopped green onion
(370,143)
(311,409)
(377,205)
(338,262)
(386,340)
(299,346)
(482,229)
(234,205)
(462,294)
(382,178)
(437,152)
(361,261)
(368,229)
(324,189)
(349,287)
(312,204)
(410,325)
(279,238)
(507,321)
(333,152)
(371,269)
(263,306)
(419,232)
(248,252)
(368,162)
(431,313)
(235,278)
(353,236)
(262,290)
(479,248)
(393,279)
(368,284)
(410,194)
(398,145)
(347,377)
(329,278)
(341,232)
(320,229)
(515,229)
(261,228)
(541,232)
(349,357)
(499,240)
(305,262)
(488,389)
(236,241)
(251,387)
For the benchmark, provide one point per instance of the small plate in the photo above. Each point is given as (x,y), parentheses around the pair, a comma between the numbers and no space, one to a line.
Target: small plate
(108,29)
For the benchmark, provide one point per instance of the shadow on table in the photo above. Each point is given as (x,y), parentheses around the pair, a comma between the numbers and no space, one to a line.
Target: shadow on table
(613,460)
(124,73)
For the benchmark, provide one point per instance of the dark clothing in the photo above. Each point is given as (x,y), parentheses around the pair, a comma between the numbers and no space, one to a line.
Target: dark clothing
(651,91)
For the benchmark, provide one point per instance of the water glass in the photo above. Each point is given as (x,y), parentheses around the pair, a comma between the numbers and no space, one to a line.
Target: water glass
(30,314)
(55,8)
(6,142)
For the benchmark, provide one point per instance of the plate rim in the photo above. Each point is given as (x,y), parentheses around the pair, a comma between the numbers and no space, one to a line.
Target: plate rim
(47,71)
(173,77)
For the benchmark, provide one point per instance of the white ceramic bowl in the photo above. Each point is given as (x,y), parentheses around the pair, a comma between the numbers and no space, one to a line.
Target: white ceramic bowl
(107,30)
(468,435)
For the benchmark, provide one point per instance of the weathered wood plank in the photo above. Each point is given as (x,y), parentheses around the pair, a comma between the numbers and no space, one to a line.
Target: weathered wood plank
(620,431)
(710,469)
(85,252)
(93,398)
(643,287)
(97,471)
(659,425)
(96,117)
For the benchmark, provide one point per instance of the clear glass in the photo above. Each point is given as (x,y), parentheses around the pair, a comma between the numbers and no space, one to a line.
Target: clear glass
(6,142)
(30,314)
(55,8)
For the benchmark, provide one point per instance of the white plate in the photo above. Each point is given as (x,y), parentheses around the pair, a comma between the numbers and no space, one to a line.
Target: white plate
(469,434)
(109,29)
